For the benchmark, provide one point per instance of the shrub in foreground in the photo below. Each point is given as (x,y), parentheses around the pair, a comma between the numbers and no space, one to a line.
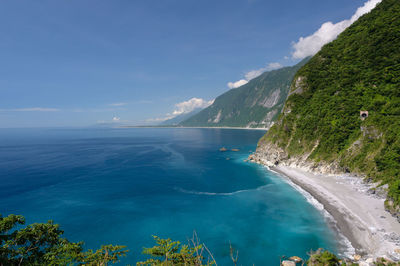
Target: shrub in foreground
(43,244)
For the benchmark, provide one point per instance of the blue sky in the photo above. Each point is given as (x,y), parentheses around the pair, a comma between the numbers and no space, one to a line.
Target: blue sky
(77,63)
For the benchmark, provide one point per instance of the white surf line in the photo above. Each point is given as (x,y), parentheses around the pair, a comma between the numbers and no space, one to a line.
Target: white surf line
(348,250)
(219,193)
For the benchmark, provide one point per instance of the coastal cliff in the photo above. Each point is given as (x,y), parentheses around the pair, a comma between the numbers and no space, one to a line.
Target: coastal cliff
(342,114)
(271,155)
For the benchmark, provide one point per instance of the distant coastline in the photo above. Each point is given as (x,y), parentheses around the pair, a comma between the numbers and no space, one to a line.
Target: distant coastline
(246,128)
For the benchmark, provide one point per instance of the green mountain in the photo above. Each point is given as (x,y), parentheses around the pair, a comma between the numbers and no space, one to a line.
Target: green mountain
(320,126)
(255,104)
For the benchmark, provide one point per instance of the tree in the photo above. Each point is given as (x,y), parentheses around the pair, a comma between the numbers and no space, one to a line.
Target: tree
(323,257)
(42,244)
(168,252)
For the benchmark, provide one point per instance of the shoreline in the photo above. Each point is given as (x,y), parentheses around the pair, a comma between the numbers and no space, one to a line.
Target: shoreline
(359,216)
(245,128)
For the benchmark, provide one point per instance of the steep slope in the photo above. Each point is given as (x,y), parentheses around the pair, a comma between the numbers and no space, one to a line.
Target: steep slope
(320,127)
(255,104)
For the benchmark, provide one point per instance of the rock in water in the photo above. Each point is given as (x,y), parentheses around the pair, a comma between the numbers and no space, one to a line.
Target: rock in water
(295,259)
(288,263)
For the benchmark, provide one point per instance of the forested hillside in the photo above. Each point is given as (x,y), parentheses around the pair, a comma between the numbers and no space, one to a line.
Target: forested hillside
(321,123)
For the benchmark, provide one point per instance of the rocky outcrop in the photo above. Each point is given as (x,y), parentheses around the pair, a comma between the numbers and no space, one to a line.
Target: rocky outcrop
(393,209)
(271,100)
(288,263)
(218,117)
(271,155)
(299,86)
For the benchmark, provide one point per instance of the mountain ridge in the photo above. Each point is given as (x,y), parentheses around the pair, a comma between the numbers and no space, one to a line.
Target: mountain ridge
(255,104)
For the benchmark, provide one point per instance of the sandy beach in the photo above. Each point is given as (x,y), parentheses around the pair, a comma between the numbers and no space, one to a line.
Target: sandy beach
(359,215)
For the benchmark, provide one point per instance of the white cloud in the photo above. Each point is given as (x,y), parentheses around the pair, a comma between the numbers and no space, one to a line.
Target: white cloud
(237,84)
(183,108)
(328,31)
(116,119)
(257,72)
(117,104)
(190,105)
(253,74)
(32,109)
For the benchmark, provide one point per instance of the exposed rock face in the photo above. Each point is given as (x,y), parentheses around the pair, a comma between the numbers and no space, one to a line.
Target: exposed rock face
(393,209)
(266,123)
(255,104)
(251,124)
(218,117)
(371,132)
(271,155)
(271,100)
(270,115)
(299,86)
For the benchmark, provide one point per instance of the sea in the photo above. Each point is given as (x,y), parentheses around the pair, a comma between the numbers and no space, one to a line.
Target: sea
(125,185)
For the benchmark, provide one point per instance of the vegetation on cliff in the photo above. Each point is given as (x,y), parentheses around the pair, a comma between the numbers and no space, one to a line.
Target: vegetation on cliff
(255,104)
(358,71)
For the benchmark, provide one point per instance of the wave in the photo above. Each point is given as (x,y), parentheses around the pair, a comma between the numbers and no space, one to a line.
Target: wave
(219,193)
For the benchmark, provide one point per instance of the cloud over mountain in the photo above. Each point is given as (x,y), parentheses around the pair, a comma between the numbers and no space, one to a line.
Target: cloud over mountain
(237,84)
(310,45)
(190,105)
(183,108)
(253,74)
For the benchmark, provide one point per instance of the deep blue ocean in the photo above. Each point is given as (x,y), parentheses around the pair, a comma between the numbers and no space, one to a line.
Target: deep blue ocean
(121,186)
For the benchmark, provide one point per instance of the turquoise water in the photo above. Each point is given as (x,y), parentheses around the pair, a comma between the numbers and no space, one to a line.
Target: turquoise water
(120,186)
